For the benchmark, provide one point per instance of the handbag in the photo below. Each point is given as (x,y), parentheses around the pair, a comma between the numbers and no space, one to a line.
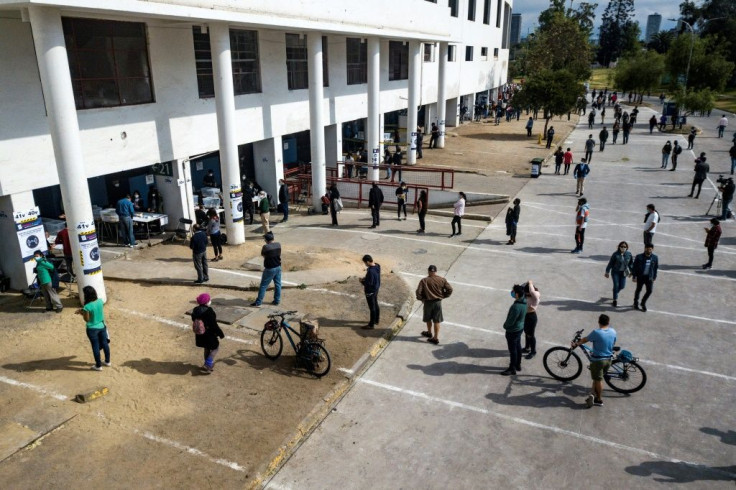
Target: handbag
(338,204)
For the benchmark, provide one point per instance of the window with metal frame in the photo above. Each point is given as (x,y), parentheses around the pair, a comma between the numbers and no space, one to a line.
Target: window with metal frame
(297,73)
(498,13)
(471,10)
(486,11)
(454,7)
(398,60)
(108,62)
(468,53)
(203,63)
(484,53)
(495,52)
(325,71)
(429,49)
(356,61)
(246,63)
(452,52)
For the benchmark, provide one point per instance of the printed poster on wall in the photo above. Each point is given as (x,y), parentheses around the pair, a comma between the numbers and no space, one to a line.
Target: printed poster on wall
(376,157)
(89,250)
(236,203)
(413,145)
(31,236)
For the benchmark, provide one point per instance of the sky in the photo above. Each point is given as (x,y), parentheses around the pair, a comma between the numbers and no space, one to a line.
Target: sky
(530,10)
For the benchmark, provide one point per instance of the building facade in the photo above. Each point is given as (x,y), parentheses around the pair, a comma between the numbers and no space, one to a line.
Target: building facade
(515,29)
(103,98)
(654,23)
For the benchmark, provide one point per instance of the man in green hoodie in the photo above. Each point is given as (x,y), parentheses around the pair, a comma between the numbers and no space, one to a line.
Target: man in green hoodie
(44,271)
(514,326)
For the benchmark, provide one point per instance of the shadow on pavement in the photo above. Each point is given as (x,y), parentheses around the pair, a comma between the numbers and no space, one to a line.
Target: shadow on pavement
(56,364)
(176,259)
(151,367)
(452,367)
(550,394)
(461,349)
(542,250)
(576,305)
(726,437)
(285,365)
(682,472)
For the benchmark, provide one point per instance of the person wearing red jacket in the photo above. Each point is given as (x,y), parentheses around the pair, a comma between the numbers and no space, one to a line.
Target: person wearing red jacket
(63,238)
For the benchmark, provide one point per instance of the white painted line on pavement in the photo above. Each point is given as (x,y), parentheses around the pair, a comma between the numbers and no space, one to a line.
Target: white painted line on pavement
(537,425)
(190,450)
(38,389)
(252,276)
(166,321)
(385,219)
(564,298)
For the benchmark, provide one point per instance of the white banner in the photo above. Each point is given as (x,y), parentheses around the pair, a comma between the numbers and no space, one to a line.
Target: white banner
(236,203)
(89,250)
(31,235)
(376,158)
(413,143)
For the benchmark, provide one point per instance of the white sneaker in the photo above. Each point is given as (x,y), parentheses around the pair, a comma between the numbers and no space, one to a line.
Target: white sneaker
(108,364)
(97,368)
(589,400)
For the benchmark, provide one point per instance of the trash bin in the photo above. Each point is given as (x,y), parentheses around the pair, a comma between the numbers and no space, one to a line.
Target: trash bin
(537,167)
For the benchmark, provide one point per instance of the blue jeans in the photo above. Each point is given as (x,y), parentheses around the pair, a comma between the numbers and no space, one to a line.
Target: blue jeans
(733,165)
(619,282)
(269,275)
(98,339)
(285,209)
(665,159)
(125,226)
(513,340)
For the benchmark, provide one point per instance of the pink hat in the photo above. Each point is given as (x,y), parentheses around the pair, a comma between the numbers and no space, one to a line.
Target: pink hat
(203,299)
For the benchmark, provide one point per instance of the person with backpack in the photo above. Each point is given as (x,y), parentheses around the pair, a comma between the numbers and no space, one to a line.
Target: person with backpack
(206,331)
(676,150)
(94,317)
(650,224)
(375,200)
(580,172)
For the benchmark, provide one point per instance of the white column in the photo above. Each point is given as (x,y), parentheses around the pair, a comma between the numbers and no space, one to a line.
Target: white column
(442,94)
(374,114)
(222,69)
(56,82)
(316,120)
(415,51)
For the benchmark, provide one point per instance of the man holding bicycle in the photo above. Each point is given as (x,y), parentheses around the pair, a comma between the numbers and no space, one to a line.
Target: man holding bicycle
(600,358)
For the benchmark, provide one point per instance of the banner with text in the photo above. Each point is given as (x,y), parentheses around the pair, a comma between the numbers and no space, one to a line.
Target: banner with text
(31,236)
(89,250)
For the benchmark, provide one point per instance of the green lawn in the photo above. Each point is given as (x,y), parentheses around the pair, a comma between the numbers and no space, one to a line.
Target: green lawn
(600,78)
(727,101)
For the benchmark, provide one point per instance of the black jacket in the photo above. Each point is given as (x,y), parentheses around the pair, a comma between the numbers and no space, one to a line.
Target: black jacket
(372,280)
(375,197)
(283,194)
(639,263)
(212,330)
(199,242)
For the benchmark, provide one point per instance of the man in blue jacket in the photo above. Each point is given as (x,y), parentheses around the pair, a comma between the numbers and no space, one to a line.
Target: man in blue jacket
(371,284)
(125,212)
(644,275)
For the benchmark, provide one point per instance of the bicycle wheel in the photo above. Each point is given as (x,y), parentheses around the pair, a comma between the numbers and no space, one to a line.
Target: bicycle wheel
(625,377)
(271,343)
(320,360)
(562,363)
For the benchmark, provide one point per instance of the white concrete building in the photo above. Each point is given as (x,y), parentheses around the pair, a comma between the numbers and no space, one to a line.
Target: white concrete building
(100,98)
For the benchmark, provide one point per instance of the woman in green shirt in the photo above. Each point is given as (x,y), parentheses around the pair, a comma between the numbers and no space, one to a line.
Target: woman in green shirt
(93,314)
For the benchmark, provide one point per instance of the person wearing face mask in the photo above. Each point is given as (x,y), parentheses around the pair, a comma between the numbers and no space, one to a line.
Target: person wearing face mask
(581,224)
(44,272)
(514,326)
(645,273)
(155,202)
(208,339)
(137,202)
(619,266)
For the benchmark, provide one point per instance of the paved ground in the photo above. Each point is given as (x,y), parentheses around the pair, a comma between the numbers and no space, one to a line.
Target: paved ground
(427,416)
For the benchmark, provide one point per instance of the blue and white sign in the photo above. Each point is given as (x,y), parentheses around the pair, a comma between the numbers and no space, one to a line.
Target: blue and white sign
(31,236)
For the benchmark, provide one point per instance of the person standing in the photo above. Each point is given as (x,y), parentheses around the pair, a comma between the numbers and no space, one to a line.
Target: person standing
(420,140)
(581,223)
(397,164)
(334,199)
(626,130)
(616,128)
(603,137)
(559,158)
(567,160)
(619,267)
(676,150)
(512,221)
(550,136)
(529,126)
(137,201)
(371,284)
(284,199)
(209,179)
(701,173)
(402,193)
(732,154)
(604,338)
(650,224)
(434,135)
(645,273)
(458,212)
(722,123)
(727,190)
(591,118)
(94,316)
(514,326)
(125,211)
(532,295)
(271,253)
(589,147)
(431,291)
(248,194)
(666,151)
(207,340)
(63,238)
(264,208)
(713,234)
(155,201)
(581,171)
(198,245)
(213,230)
(44,272)
(422,204)
(375,201)
(691,138)
(652,123)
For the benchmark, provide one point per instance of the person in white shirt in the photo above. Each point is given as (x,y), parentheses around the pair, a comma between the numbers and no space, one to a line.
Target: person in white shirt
(650,224)
(722,123)
(458,217)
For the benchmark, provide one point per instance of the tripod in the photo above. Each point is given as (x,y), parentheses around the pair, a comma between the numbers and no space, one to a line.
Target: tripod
(718,202)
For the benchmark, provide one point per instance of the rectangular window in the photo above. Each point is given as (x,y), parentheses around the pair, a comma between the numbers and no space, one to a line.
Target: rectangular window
(506,26)
(484,53)
(108,62)
(471,10)
(468,53)
(325,71)
(398,60)
(451,52)
(296,62)
(453,4)
(429,52)
(486,11)
(495,52)
(357,61)
(246,65)
(203,62)
(498,13)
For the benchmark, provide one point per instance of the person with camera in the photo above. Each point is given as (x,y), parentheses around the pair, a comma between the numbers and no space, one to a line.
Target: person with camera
(727,187)
(701,173)
(711,240)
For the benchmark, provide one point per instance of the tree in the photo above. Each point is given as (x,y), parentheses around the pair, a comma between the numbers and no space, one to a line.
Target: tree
(661,41)
(721,25)
(701,101)
(640,72)
(554,91)
(616,30)
(560,45)
(709,68)
(584,15)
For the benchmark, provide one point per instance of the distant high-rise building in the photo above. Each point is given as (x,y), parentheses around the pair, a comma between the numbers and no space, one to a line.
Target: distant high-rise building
(515,28)
(654,21)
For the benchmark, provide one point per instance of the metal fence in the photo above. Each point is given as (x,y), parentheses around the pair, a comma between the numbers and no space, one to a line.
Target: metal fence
(430,177)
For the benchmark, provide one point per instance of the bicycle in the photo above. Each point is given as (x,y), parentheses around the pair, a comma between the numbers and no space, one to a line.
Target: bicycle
(310,349)
(624,375)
